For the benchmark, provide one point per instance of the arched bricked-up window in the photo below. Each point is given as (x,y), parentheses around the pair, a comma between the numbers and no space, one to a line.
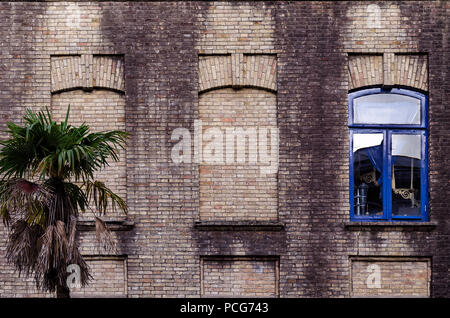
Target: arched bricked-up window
(237,101)
(93,85)
(388,155)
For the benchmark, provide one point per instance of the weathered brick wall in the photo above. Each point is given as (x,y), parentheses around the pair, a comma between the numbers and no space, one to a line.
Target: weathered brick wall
(161,84)
(232,27)
(164,45)
(320,42)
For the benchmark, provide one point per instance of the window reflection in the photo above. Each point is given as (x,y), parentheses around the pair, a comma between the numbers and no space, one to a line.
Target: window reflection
(368,170)
(406,156)
(386,109)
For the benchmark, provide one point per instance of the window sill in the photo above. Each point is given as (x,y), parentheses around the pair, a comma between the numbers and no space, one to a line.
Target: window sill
(238,226)
(397,225)
(113,225)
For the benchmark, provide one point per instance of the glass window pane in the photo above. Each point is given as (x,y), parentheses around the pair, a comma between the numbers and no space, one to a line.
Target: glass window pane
(368,171)
(407,146)
(386,109)
(406,157)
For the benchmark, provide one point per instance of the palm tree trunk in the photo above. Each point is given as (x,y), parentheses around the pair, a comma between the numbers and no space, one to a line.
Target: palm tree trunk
(62,292)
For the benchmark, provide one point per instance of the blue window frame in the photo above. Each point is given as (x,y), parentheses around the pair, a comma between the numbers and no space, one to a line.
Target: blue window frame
(388,155)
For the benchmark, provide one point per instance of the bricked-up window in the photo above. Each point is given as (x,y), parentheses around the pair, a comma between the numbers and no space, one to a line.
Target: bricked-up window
(233,276)
(388,155)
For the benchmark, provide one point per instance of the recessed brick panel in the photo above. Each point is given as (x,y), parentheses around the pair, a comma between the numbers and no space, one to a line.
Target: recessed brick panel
(390,277)
(109,278)
(233,190)
(239,277)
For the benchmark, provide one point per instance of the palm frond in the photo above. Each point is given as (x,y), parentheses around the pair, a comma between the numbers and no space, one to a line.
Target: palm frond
(52,259)
(74,255)
(24,198)
(103,197)
(104,236)
(22,249)
(77,197)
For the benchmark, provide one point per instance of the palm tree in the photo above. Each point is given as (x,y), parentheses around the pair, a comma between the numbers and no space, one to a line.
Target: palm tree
(47,171)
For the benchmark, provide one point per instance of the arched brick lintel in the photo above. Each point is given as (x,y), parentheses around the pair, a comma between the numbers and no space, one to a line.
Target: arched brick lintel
(391,69)
(237,71)
(87,72)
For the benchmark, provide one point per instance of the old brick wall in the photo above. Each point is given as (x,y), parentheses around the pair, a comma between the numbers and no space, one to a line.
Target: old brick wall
(300,231)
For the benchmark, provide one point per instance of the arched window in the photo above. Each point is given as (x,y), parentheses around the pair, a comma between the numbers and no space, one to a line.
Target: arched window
(388,155)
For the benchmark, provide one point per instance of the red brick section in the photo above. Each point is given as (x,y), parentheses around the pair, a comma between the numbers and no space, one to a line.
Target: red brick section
(314,43)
